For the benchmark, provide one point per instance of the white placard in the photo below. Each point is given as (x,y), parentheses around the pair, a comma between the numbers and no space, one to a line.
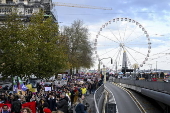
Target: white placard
(47,88)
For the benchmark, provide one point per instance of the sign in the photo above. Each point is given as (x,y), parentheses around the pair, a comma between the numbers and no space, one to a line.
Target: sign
(47,88)
(31,105)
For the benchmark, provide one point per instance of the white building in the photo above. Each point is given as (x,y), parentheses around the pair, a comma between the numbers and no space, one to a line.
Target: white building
(25,8)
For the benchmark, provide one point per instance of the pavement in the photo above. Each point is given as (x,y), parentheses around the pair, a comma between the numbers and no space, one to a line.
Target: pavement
(90,100)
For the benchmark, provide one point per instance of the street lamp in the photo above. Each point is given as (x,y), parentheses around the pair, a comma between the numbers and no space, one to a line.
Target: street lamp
(104,69)
(104,73)
(150,65)
(156,69)
(101,60)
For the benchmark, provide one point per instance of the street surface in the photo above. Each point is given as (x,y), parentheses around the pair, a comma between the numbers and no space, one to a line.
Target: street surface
(124,102)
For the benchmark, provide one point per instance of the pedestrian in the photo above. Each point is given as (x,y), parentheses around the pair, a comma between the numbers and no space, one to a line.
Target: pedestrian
(79,108)
(16,105)
(26,110)
(76,93)
(51,102)
(46,110)
(42,104)
(58,111)
(72,95)
(22,99)
(85,103)
(62,104)
(5,109)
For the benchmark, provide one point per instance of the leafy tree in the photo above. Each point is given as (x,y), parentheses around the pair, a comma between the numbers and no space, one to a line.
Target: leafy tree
(50,55)
(11,35)
(32,48)
(79,48)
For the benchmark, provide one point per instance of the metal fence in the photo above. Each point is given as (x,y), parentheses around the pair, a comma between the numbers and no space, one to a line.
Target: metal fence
(99,99)
(157,86)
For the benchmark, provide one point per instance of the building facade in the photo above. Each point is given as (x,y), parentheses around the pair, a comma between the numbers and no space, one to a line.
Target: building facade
(25,8)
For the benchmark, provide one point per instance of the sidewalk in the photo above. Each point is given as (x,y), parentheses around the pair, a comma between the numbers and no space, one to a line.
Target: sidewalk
(90,100)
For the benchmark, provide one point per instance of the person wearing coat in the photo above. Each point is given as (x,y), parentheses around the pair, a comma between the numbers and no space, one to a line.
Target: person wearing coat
(79,108)
(62,104)
(51,102)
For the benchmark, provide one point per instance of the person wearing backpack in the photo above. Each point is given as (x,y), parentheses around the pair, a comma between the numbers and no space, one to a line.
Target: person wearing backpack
(16,105)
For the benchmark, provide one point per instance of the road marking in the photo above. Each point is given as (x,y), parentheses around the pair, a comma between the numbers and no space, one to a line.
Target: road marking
(133,98)
(112,98)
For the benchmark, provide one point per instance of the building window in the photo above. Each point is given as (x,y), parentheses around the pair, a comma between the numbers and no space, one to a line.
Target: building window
(9,1)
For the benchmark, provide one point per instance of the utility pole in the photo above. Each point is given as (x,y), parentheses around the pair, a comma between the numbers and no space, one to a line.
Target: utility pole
(103,67)
(99,67)
(104,73)
(116,67)
(125,68)
(156,69)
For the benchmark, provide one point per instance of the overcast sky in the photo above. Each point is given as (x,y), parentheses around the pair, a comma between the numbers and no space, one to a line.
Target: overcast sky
(153,15)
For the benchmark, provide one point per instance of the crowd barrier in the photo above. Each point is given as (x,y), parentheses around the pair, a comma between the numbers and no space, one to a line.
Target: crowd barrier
(99,99)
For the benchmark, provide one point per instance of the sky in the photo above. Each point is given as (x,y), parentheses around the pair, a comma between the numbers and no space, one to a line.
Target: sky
(152,15)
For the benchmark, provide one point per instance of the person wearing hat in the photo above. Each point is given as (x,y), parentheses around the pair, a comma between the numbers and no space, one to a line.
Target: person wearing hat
(46,110)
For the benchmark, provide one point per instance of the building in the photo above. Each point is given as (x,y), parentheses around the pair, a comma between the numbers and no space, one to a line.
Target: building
(25,8)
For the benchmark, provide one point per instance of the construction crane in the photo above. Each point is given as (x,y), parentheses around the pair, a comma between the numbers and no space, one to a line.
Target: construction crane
(79,6)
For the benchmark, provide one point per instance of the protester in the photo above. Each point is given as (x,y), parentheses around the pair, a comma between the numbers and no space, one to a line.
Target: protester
(46,110)
(56,100)
(58,111)
(62,104)
(42,104)
(16,105)
(85,103)
(51,102)
(22,99)
(26,110)
(79,108)
(5,109)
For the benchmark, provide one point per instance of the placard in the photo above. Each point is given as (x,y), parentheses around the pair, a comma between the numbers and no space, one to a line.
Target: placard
(47,88)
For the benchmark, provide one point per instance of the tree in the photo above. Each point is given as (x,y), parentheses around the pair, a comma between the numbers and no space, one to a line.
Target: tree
(79,48)
(33,48)
(50,52)
(11,35)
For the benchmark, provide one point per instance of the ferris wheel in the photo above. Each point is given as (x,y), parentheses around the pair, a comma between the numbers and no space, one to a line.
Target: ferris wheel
(121,36)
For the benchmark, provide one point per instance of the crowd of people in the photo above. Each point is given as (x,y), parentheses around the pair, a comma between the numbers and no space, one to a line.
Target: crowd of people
(64,98)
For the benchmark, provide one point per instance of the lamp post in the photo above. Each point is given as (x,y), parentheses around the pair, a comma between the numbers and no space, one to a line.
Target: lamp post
(116,67)
(156,69)
(99,67)
(104,73)
(150,65)
(103,66)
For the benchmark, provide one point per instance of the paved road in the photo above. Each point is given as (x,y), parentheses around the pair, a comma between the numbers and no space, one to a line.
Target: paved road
(124,102)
